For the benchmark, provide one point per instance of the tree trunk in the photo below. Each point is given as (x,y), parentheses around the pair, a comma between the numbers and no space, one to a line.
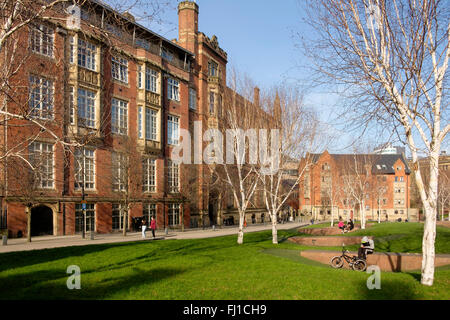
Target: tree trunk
(274,229)
(182,217)
(332,220)
(124,223)
(28,212)
(429,234)
(240,239)
(363,216)
(379,212)
(428,250)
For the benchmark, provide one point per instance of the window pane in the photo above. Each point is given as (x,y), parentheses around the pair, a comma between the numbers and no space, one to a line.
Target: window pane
(119,116)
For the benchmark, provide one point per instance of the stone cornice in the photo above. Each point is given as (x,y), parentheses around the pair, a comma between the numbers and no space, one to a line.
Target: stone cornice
(213,44)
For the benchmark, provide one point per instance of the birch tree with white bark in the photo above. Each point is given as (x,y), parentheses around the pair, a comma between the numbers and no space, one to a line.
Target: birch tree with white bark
(237,164)
(297,126)
(332,192)
(379,192)
(390,58)
(357,179)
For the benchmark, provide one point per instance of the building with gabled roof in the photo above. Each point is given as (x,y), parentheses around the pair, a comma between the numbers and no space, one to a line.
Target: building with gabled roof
(338,183)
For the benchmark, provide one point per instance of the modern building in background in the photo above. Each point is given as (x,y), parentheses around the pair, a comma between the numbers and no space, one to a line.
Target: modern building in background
(388,148)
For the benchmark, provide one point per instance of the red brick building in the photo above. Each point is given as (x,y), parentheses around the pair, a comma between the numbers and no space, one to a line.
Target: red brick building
(114,96)
(339,184)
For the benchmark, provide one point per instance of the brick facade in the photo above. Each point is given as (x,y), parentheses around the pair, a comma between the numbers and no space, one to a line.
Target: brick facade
(324,188)
(76,84)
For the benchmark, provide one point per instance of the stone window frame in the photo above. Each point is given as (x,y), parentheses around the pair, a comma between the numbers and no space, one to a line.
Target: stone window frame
(91,171)
(174,214)
(119,116)
(149,177)
(45,164)
(41,96)
(42,36)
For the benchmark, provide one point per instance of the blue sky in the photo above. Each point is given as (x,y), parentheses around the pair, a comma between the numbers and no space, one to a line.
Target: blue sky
(257,35)
(260,38)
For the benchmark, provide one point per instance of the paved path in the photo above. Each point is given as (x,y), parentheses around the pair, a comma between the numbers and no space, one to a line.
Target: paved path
(48,242)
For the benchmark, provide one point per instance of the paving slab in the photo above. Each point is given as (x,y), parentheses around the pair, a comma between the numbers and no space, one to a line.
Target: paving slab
(49,242)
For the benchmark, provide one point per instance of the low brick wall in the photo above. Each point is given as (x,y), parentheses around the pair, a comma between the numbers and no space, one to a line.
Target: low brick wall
(443,223)
(386,261)
(326,241)
(329,231)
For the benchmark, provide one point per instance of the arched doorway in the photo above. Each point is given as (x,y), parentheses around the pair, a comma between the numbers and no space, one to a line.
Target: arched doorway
(41,221)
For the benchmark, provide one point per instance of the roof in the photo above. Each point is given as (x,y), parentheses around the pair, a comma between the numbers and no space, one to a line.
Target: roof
(381,163)
(107,7)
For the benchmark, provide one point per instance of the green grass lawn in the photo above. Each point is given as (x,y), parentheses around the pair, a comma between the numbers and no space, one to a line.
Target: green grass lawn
(215,268)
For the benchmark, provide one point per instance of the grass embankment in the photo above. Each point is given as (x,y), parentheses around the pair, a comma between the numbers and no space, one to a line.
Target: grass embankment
(215,268)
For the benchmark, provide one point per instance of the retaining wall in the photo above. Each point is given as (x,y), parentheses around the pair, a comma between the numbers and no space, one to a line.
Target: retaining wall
(329,231)
(386,261)
(326,241)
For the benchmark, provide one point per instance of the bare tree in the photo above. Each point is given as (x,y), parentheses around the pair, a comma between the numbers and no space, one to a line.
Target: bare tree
(332,191)
(30,176)
(357,178)
(379,190)
(28,30)
(126,179)
(297,129)
(392,58)
(237,167)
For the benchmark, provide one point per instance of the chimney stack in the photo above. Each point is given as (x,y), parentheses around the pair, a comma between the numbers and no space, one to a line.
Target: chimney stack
(188,25)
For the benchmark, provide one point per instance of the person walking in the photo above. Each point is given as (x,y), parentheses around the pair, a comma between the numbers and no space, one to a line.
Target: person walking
(144,227)
(153,226)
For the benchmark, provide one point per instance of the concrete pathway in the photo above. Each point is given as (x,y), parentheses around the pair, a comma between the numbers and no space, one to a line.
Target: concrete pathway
(47,242)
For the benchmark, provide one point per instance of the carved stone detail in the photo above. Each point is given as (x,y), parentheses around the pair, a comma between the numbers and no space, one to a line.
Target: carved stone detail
(152,98)
(88,77)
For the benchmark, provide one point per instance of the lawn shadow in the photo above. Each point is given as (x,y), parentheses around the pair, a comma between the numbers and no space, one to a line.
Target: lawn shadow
(13,260)
(293,255)
(51,284)
(415,275)
(390,290)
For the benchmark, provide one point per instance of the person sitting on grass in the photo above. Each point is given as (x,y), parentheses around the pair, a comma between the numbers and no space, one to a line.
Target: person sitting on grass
(341,225)
(367,247)
(349,227)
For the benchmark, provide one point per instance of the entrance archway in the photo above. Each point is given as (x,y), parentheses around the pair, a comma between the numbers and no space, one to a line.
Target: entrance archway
(41,221)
